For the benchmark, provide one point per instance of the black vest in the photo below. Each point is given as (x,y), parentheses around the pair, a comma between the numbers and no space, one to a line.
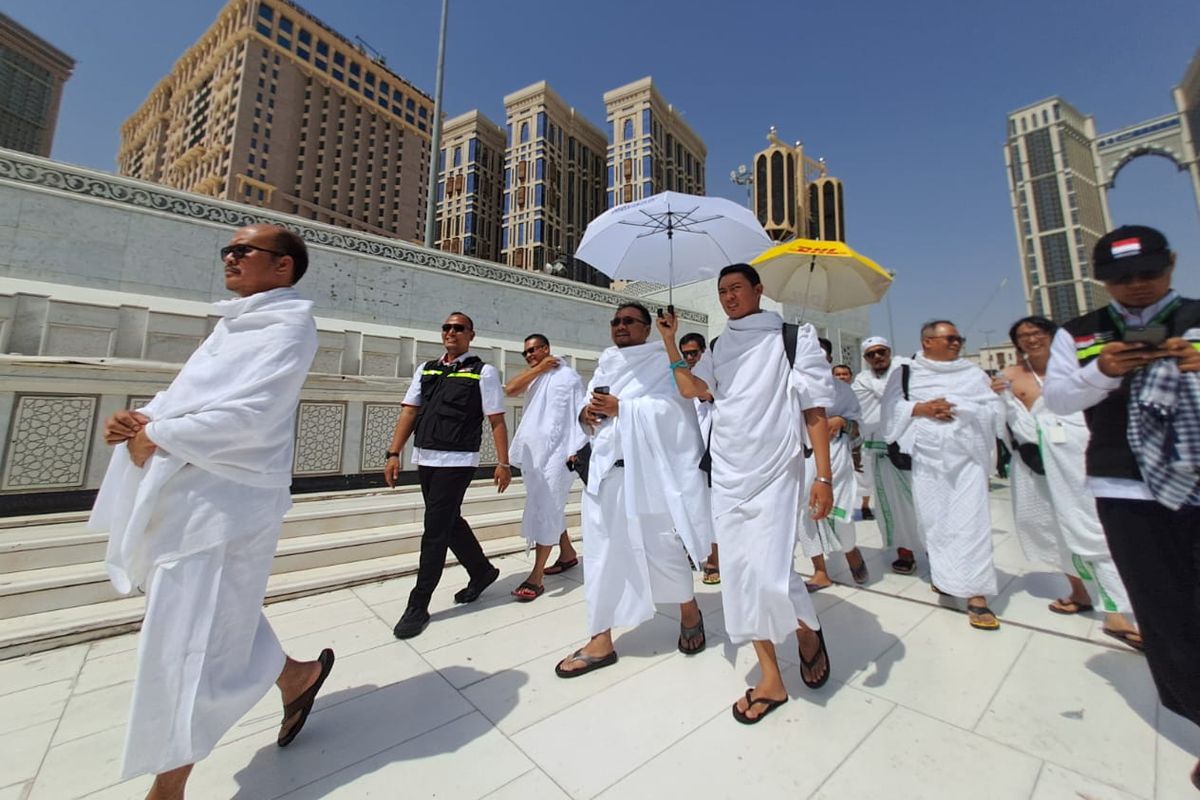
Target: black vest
(451,413)
(1108,452)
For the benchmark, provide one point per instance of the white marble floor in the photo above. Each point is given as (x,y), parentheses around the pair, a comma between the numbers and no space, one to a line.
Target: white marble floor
(920,705)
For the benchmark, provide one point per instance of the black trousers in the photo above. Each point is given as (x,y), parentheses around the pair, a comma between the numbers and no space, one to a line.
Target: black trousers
(443,489)
(1157,552)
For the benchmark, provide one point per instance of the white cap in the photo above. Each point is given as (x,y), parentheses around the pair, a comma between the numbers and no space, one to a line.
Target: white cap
(875,341)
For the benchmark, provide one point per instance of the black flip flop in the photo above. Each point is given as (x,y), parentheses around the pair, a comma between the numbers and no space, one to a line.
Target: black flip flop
(304,702)
(524,598)
(691,633)
(1126,637)
(560,566)
(1059,606)
(770,705)
(591,663)
(860,574)
(810,665)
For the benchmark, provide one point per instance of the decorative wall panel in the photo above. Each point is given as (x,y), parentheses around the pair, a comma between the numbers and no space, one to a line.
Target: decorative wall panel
(379,422)
(48,444)
(320,428)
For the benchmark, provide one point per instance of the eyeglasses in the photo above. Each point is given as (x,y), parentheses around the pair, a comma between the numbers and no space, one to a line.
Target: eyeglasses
(1033,335)
(615,321)
(950,338)
(532,350)
(1144,276)
(453,326)
(240,251)
(690,353)
(875,354)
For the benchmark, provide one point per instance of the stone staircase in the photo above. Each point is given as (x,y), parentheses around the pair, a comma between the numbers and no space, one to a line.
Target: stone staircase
(54,590)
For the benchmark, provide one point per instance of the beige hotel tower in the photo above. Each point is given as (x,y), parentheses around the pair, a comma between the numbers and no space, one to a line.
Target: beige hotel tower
(273,108)
(653,149)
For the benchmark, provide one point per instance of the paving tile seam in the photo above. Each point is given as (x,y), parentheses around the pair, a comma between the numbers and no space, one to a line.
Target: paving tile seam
(369,756)
(1004,621)
(853,750)
(1003,680)
(58,722)
(506,784)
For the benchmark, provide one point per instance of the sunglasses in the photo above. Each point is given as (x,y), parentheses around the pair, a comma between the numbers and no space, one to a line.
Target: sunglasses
(615,321)
(453,326)
(532,350)
(690,353)
(875,354)
(240,251)
(950,339)
(1142,276)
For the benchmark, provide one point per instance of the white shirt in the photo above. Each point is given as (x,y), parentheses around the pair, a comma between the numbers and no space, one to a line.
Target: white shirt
(493,403)
(1070,388)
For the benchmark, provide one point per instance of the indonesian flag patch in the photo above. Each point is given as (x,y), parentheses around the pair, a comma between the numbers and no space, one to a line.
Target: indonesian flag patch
(1126,247)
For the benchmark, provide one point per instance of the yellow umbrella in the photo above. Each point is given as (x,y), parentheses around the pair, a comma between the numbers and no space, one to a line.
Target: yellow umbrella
(826,276)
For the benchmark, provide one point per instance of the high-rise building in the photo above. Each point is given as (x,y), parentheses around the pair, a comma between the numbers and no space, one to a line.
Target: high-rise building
(274,108)
(32,74)
(1059,170)
(1059,207)
(794,195)
(652,148)
(471,186)
(553,178)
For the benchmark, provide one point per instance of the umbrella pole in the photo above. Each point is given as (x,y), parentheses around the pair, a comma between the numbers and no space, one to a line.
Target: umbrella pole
(670,264)
(812,267)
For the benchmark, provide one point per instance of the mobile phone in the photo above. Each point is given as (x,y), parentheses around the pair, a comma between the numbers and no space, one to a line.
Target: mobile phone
(1153,335)
(600,390)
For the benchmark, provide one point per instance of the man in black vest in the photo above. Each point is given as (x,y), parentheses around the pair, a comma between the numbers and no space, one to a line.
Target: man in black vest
(1092,364)
(445,406)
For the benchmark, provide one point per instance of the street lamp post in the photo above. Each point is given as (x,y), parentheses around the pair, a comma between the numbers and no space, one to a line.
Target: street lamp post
(435,145)
(743,177)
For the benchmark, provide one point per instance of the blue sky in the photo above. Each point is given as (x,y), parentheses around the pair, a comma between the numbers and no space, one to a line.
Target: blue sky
(906,101)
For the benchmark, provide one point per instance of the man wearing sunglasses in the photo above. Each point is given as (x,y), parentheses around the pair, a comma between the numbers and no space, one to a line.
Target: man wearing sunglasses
(1132,369)
(444,410)
(892,485)
(194,499)
(947,419)
(544,447)
(645,507)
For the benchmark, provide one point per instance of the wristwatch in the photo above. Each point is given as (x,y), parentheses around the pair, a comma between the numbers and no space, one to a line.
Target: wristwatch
(389,454)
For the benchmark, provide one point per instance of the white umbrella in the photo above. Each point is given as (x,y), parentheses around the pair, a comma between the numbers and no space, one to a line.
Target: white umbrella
(672,238)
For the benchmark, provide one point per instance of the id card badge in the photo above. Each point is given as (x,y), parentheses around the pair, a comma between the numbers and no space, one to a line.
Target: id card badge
(1056,433)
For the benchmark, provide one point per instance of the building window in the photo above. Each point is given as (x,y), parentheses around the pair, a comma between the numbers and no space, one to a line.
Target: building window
(524,132)
(322,48)
(458,156)
(265,11)
(627,130)
(264,30)
(647,124)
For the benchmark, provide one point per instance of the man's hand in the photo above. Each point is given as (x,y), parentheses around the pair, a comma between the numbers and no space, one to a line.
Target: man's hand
(140,448)
(391,471)
(836,424)
(820,500)
(668,325)
(1118,359)
(546,364)
(939,409)
(123,425)
(502,477)
(1001,384)
(605,404)
(1184,352)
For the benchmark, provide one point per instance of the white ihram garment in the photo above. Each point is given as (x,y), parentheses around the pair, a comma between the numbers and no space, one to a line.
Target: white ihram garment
(891,488)
(196,528)
(548,435)
(642,520)
(1055,514)
(951,465)
(758,468)
(835,533)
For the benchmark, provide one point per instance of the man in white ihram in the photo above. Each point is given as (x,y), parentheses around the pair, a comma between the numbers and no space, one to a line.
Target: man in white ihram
(546,440)
(194,500)
(947,419)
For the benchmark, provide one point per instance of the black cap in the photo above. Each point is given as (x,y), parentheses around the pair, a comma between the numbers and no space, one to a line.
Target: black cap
(1128,250)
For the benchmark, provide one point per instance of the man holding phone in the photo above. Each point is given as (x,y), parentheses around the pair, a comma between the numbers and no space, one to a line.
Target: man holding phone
(646,504)
(1101,364)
